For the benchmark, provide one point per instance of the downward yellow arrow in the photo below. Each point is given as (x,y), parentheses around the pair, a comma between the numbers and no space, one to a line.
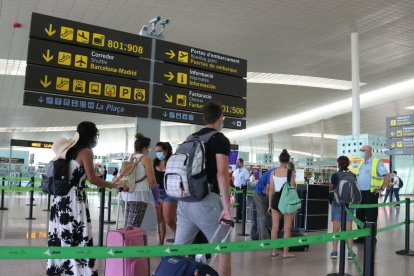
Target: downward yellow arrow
(47,57)
(170,53)
(168,98)
(50,30)
(45,83)
(170,76)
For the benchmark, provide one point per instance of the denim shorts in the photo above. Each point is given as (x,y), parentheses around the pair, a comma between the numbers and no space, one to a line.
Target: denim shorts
(164,197)
(336,213)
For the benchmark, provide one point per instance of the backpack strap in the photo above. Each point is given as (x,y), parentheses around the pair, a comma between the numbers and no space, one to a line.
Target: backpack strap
(136,163)
(204,137)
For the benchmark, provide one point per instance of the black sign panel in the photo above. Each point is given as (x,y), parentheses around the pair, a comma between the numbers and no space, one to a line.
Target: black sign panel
(199,79)
(192,118)
(30,144)
(401,152)
(399,143)
(13,160)
(198,58)
(400,120)
(193,100)
(83,104)
(79,84)
(71,32)
(394,132)
(90,60)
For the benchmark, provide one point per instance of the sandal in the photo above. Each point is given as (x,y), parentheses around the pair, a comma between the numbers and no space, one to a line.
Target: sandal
(289,256)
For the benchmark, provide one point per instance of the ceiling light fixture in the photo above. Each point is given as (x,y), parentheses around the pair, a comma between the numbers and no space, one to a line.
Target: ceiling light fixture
(255,77)
(317,135)
(409,107)
(12,67)
(58,129)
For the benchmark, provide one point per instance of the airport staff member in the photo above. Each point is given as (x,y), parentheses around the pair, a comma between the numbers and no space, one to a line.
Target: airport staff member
(240,177)
(373,177)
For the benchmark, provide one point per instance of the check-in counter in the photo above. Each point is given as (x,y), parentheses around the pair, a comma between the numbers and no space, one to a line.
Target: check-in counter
(314,214)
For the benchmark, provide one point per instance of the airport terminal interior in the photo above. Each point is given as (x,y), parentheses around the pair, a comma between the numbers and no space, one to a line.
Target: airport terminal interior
(319,78)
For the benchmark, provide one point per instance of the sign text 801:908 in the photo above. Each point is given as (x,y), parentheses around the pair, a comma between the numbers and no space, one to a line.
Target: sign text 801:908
(114,44)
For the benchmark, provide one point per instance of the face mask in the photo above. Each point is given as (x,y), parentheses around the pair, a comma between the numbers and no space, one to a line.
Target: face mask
(93,144)
(160,155)
(221,127)
(238,166)
(362,154)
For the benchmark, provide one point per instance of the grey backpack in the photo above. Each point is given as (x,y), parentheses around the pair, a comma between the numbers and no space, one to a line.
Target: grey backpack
(185,174)
(347,190)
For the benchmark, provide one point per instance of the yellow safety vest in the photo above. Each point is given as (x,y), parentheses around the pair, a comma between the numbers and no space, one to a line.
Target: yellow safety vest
(376,181)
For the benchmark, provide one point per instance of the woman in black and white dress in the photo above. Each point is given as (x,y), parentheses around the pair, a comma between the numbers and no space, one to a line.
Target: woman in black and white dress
(70,222)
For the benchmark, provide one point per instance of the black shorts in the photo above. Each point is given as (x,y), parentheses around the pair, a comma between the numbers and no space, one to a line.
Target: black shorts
(275,201)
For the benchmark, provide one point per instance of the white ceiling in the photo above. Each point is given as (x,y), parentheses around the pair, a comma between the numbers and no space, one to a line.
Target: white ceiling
(308,37)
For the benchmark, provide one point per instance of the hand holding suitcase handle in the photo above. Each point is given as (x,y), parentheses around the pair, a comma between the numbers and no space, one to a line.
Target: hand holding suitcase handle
(228,222)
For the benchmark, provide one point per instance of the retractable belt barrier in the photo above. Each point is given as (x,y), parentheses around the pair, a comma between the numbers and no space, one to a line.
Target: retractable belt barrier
(98,252)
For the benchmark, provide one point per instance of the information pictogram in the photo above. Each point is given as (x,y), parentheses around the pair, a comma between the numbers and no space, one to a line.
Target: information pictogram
(81,61)
(98,39)
(82,36)
(110,90)
(66,33)
(95,88)
(125,92)
(183,56)
(65,58)
(139,94)
(79,86)
(62,84)
(182,78)
(181,100)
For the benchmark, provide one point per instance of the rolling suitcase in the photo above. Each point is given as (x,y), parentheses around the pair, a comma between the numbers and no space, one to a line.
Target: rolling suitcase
(182,266)
(128,236)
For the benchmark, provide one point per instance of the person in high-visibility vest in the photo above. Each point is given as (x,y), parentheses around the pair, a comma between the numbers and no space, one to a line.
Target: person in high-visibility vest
(373,177)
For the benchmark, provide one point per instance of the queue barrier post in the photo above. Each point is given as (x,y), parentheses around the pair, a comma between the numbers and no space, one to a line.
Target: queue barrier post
(342,246)
(244,200)
(2,195)
(109,221)
(48,204)
(406,251)
(101,216)
(369,249)
(31,199)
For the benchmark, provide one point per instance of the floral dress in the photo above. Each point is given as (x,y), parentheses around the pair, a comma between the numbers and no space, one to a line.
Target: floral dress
(70,225)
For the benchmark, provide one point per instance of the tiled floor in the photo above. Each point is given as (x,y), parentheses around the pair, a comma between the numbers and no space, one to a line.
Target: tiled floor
(15,230)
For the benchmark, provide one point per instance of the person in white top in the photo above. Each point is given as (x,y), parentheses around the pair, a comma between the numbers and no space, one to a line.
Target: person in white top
(396,187)
(137,200)
(240,177)
(277,179)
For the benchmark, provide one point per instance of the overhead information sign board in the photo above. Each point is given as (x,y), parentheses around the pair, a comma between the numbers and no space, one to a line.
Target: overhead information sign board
(83,104)
(199,79)
(89,60)
(30,144)
(13,160)
(403,131)
(79,84)
(400,120)
(198,58)
(194,100)
(192,118)
(405,142)
(77,33)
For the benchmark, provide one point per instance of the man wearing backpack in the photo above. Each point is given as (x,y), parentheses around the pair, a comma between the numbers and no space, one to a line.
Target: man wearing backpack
(397,184)
(373,177)
(206,214)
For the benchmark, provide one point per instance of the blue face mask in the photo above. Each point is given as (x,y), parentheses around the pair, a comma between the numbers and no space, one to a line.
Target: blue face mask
(238,166)
(221,127)
(160,155)
(363,154)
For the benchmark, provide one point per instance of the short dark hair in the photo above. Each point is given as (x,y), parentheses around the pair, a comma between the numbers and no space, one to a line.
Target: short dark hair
(212,112)
(240,160)
(343,163)
(141,142)
(394,172)
(284,156)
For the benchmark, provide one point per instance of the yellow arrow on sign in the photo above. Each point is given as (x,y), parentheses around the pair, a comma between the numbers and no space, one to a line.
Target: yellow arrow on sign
(50,30)
(168,98)
(47,57)
(393,145)
(392,133)
(171,54)
(170,76)
(45,82)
